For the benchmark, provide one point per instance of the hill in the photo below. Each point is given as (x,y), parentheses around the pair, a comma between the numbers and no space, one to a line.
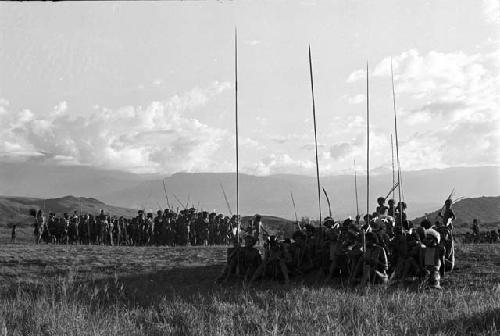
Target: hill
(16,209)
(485,209)
(424,190)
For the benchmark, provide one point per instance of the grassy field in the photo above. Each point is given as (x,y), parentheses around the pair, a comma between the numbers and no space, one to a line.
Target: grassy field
(99,290)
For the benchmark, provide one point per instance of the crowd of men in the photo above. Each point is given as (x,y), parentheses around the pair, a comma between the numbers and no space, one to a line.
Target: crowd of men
(384,247)
(479,236)
(167,228)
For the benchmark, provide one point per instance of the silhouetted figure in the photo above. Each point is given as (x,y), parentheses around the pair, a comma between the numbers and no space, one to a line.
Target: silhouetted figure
(13,234)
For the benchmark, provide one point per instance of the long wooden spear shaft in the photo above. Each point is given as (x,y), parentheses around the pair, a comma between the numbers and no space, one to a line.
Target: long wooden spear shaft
(366,274)
(367,144)
(227,202)
(356,189)
(367,158)
(179,201)
(393,172)
(236,124)
(392,190)
(328,201)
(315,134)
(166,196)
(397,147)
(295,210)
(441,212)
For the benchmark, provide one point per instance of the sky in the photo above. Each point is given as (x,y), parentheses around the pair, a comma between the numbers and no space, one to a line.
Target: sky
(148,87)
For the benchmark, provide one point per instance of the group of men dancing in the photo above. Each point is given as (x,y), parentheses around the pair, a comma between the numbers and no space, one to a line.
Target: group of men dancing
(380,248)
(165,228)
(383,247)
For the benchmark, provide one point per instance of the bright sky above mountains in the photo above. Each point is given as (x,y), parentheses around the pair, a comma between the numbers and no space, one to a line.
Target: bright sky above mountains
(147,87)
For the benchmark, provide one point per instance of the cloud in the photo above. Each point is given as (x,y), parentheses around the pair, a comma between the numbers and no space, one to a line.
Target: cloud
(251,42)
(290,137)
(454,86)
(248,142)
(157,138)
(158,82)
(311,146)
(280,139)
(426,112)
(340,150)
(262,121)
(356,76)
(491,11)
(450,102)
(436,74)
(283,164)
(357,99)
(355,122)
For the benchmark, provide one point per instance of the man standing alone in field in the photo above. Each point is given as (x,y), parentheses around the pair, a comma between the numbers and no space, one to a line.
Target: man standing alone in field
(13,234)
(475,227)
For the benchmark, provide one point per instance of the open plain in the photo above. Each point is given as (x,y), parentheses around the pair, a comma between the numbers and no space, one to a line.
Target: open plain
(110,290)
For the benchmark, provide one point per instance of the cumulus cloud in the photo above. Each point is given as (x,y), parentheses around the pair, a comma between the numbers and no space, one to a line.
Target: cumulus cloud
(283,163)
(356,76)
(357,99)
(249,142)
(155,138)
(491,11)
(450,102)
(340,150)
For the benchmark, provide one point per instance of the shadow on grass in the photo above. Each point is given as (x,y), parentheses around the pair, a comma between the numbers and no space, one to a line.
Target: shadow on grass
(190,284)
(193,284)
(149,288)
(484,323)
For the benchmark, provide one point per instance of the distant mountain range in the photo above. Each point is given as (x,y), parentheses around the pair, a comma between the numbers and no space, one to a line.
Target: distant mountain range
(424,191)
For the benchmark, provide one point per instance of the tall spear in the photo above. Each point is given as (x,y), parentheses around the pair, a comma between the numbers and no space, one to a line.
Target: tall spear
(225,198)
(315,134)
(328,201)
(295,210)
(166,196)
(356,190)
(367,169)
(391,191)
(236,125)
(397,146)
(179,201)
(393,176)
(367,144)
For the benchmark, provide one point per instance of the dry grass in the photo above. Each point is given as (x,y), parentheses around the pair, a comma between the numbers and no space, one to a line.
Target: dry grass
(80,290)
